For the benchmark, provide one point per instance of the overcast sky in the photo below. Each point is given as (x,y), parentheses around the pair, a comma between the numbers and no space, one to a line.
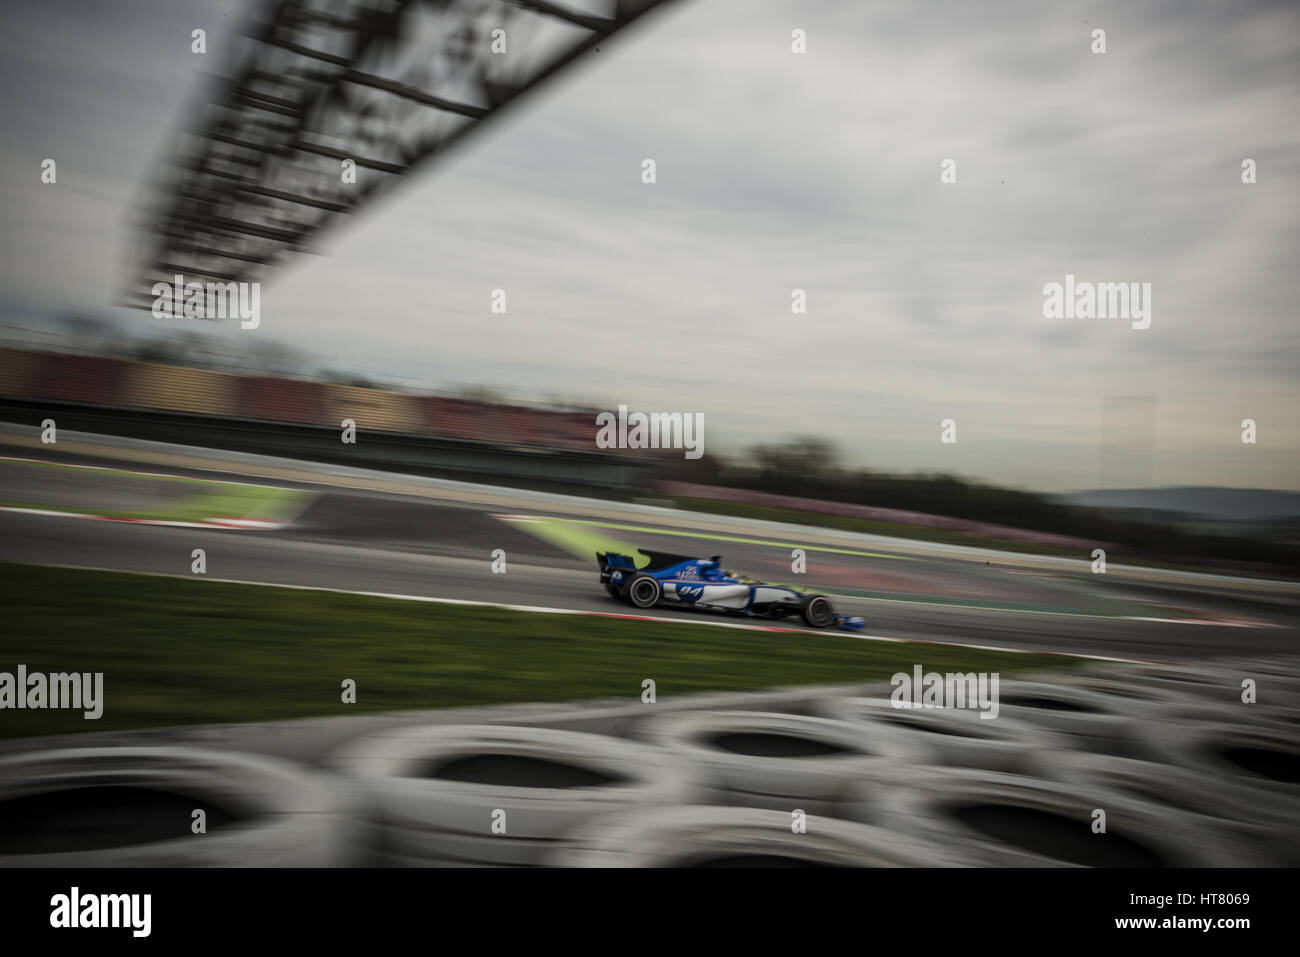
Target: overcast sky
(819,171)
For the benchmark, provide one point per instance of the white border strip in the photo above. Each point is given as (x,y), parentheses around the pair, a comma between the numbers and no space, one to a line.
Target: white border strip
(170,476)
(226,523)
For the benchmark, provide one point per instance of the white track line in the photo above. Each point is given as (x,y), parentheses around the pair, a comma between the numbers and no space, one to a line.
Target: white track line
(244,523)
(162,475)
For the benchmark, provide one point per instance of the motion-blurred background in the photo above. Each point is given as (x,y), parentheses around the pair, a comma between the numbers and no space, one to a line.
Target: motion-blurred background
(715,208)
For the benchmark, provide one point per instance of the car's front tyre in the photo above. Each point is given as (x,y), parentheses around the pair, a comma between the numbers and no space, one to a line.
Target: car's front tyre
(817,611)
(643,591)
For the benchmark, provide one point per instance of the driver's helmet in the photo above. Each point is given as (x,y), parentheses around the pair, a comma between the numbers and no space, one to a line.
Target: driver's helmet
(713,569)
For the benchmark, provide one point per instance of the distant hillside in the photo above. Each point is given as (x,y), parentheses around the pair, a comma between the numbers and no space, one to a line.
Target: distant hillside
(1208,502)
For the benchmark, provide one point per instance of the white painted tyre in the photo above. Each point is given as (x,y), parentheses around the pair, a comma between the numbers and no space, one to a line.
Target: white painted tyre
(725,797)
(1264,756)
(132,807)
(1264,820)
(454,777)
(1087,719)
(805,758)
(956,737)
(1142,697)
(501,850)
(725,836)
(1161,700)
(1200,712)
(992,819)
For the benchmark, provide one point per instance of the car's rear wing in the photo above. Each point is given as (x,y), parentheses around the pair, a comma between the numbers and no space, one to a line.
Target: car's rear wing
(611,563)
(614,560)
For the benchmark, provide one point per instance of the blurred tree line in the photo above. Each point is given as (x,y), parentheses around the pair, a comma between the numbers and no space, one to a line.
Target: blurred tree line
(810,467)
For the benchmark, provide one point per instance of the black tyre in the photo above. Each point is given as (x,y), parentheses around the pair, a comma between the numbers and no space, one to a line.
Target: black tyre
(817,611)
(643,591)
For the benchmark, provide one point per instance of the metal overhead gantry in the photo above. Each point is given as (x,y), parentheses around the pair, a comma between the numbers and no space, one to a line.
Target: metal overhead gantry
(385,84)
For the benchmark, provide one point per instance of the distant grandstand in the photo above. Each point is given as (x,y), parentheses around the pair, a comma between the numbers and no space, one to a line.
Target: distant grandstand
(129,384)
(302,419)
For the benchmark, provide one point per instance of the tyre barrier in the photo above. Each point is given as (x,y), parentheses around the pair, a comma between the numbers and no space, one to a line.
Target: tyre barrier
(1165,700)
(1263,820)
(781,760)
(1090,720)
(1287,717)
(1264,755)
(994,819)
(957,737)
(712,836)
(133,807)
(1277,681)
(1194,712)
(1276,684)
(1151,698)
(438,790)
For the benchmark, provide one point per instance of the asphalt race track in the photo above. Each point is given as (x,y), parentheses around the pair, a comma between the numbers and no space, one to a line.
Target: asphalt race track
(392,542)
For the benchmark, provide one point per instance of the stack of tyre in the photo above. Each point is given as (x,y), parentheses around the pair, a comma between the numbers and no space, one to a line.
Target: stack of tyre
(499,795)
(1223,745)
(1104,765)
(773,786)
(952,737)
(168,807)
(721,836)
(1107,766)
(782,762)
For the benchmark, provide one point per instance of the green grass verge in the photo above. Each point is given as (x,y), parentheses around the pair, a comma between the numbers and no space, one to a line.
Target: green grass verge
(180,651)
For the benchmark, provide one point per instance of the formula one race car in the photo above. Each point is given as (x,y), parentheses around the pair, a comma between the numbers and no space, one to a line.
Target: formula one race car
(681,581)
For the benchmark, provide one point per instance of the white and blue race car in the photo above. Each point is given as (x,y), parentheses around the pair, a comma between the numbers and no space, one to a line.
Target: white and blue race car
(702,583)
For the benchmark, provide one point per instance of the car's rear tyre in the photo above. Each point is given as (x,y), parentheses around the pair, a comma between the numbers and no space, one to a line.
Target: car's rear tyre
(643,591)
(817,611)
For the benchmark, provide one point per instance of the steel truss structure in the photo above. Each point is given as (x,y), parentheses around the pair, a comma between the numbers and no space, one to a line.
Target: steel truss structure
(388,85)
